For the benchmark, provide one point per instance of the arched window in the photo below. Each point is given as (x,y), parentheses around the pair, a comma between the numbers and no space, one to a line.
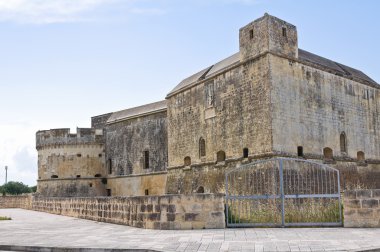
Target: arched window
(201,189)
(202,147)
(187,161)
(327,153)
(220,156)
(360,156)
(245,153)
(343,142)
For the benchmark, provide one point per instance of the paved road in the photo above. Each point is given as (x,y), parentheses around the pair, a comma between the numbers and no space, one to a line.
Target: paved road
(30,228)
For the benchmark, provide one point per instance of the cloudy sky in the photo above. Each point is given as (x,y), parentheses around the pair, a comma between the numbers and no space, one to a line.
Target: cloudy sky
(63,61)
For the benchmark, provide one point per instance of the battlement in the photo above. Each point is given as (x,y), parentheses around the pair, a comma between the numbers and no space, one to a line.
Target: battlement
(54,137)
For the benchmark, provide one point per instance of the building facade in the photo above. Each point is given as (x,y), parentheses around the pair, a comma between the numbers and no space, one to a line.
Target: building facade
(269,99)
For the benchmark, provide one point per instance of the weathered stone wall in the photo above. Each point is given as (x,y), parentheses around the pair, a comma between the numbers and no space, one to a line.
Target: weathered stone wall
(196,211)
(311,108)
(73,187)
(128,140)
(362,208)
(237,116)
(138,184)
(99,122)
(21,201)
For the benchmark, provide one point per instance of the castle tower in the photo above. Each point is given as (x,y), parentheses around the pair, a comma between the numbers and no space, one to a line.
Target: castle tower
(268,34)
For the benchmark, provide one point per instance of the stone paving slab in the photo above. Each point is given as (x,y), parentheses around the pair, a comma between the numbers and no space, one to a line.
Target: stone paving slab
(30,228)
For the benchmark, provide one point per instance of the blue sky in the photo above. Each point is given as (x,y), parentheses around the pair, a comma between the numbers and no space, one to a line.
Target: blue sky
(63,61)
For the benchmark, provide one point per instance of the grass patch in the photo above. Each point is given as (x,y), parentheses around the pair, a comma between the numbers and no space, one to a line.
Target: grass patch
(4,218)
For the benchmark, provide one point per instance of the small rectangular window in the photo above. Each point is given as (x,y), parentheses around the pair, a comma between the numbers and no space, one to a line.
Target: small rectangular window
(78,176)
(146,159)
(109,193)
(146,192)
(251,34)
(284,32)
(300,151)
(245,153)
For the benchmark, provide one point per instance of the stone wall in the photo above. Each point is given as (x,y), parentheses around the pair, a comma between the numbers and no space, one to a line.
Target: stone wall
(362,208)
(73,187)
(22,201)
(129,140)
(197,211)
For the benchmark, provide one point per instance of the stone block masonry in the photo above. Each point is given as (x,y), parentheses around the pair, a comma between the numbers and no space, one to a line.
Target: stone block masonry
(362,208)
(196,211)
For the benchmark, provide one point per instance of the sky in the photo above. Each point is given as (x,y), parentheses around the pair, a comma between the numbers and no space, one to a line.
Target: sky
(63,61)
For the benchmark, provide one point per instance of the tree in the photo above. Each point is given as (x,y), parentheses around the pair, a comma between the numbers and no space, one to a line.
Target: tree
(15,188)
(33,188)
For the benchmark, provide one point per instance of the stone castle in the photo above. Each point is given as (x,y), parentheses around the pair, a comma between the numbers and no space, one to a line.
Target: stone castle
(271,99)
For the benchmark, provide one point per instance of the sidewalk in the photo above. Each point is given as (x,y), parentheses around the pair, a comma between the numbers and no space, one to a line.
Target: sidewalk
(29,228)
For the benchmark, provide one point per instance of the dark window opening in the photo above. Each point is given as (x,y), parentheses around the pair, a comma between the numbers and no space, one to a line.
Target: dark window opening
(251,34)
(201,189)
(343,142)
(146,192)
(100,155)
(79,155)
(300,151)
(187,161)
(109,166)
(146,159)
(109,193)
(360,156)
(98,175)
(54,176)
(104,181)
(327,153)
(202,147)
(78,176)
(220,156)
(90,184)
(39,177)
(245,153)
(284,32)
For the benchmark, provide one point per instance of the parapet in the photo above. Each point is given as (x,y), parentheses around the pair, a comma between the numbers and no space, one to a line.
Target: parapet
(56,137)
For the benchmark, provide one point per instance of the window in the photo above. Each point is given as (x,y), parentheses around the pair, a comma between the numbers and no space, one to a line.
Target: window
(327,153)
(79,155)
(210,94)
(146,159)
(300,151)
(187,161)
(78,176)
(284,32)
(90,184)
(202,147)
(100,155)
(251,34)
(245,153)
(109,192)
(360,156)
(146,192)
(201,189)
(98,175)
(54,176)
(343,142)
(109,162)
(220,156)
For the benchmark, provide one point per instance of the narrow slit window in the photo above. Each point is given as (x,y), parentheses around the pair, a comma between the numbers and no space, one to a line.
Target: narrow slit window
(284,32)
(251,34)
(146,192)
(245,153)
(146,159)
(109,166)
(343,142)
(202,147)
(300,151)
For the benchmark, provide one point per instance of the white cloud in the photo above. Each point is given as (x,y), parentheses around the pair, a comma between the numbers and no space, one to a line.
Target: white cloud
(48,11)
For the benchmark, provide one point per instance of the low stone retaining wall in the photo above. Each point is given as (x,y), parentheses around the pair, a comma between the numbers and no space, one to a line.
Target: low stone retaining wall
(362,208)
(21,201)
(196,211)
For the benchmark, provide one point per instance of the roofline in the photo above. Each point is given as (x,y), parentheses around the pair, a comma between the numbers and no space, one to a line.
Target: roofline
(317,66)
(138,115)
(109,113)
